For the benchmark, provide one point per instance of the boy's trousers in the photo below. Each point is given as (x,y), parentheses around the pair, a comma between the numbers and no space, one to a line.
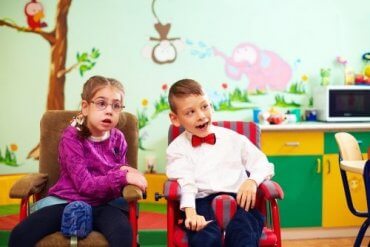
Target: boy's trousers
(244,230)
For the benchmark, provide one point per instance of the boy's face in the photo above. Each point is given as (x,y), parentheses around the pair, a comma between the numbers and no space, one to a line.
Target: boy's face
(194,113)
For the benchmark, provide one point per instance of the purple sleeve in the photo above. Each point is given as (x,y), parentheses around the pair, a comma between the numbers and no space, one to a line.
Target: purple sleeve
(122,148)
(74,163)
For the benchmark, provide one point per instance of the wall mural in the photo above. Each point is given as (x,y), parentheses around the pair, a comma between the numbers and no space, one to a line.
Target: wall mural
(264,74)
(264,69)
(165,49)
(57,38)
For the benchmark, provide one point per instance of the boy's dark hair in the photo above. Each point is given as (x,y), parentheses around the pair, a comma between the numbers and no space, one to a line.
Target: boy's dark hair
(183,88)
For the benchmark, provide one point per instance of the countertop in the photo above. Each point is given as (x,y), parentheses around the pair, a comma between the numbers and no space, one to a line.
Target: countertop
(312,126)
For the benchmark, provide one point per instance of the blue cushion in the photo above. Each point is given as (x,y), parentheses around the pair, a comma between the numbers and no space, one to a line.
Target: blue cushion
(77,219)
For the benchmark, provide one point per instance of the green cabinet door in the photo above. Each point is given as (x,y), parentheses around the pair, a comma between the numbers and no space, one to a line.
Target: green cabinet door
(331,146)
(301,179)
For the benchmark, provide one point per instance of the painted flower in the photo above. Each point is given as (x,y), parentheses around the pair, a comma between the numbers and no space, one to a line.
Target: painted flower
(304,78)
(13,147)
(224,85)
(164,87)
(144,102)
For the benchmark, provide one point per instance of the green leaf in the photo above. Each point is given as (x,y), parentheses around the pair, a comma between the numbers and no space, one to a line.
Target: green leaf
(95,53)
(84,57)
(83,69)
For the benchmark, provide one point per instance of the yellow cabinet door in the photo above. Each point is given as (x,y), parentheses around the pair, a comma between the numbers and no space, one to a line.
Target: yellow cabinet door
(155,184)
(292,143)
(335,209)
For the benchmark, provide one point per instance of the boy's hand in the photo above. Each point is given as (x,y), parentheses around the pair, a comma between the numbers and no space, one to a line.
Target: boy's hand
(194,221)
(246,196)
(136,178)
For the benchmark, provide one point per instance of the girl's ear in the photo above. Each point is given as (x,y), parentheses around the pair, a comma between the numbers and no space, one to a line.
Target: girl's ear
(84,107)
(174,119)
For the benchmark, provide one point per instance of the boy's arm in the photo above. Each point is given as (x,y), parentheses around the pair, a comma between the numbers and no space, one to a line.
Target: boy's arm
(256,163)
(260,169)
(180,168)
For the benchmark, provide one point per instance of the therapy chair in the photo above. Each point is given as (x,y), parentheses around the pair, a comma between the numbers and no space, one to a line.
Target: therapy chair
(225,206)
(33,187)
(349,151)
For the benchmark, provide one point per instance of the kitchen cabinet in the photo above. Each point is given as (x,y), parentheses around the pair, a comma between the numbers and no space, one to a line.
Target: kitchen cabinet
(307,167)
(297,157)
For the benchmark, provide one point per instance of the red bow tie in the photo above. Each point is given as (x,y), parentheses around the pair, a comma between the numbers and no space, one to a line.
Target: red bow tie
(197,141)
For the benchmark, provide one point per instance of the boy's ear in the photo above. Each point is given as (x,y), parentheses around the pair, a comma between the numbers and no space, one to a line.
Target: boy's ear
(212,108)
(174,119)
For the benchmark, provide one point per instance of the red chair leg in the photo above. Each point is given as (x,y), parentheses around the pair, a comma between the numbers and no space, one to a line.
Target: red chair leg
(133,222)
(276,221)
(170,223)
(23,211)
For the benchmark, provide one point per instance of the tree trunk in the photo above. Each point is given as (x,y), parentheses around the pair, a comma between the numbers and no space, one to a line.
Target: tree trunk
(55,100)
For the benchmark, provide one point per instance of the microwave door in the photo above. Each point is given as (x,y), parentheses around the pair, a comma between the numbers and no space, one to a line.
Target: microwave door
(349,104)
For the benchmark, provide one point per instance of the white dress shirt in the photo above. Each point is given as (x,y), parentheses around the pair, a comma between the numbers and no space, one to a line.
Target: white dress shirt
(207,169)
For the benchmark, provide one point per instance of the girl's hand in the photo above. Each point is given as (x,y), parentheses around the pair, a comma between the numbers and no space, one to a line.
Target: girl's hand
(128,169)
(246,196)
(137,178)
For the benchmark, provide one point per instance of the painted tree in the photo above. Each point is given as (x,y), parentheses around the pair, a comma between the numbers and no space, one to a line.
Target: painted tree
(57,38)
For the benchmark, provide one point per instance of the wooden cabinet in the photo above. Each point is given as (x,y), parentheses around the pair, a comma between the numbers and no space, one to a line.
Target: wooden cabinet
(297,157)
(335,209)
(301,181)
(334,206)
(307,167)
(155,184)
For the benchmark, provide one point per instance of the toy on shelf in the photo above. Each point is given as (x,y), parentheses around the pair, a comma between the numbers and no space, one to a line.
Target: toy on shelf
(150,164)
(325,76)
(349,73)
(366,59)
(275,116)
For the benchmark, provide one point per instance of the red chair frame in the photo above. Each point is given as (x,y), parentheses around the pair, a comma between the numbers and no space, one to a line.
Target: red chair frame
(267,194)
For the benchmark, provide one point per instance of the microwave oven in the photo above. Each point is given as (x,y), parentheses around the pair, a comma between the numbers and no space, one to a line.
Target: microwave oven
(345,103)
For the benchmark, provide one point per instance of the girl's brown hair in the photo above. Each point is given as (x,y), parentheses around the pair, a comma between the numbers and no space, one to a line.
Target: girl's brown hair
(183,88)
(90,88)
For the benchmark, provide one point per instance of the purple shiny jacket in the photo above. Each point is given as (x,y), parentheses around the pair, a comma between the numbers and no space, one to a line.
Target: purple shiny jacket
(89,170)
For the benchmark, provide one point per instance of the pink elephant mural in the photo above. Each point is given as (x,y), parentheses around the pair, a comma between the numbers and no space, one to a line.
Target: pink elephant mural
(264,69)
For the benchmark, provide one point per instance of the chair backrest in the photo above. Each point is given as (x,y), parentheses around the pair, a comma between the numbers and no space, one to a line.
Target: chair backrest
(51,127)
(249,129)
(348,146)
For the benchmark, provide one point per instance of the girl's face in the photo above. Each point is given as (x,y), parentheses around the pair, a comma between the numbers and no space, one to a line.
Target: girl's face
(194,113)
(100,120)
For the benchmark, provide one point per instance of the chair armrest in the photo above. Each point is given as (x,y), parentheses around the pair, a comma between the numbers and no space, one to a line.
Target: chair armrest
(28,185)
(270,190)
(172,190)
(132,193)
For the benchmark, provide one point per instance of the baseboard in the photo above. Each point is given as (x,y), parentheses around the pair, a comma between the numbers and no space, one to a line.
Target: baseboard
(319,232)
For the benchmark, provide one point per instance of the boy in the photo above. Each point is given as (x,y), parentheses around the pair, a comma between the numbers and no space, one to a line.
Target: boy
(219,165)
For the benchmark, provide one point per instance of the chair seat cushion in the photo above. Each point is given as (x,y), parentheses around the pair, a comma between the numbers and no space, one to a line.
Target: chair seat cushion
(57,239)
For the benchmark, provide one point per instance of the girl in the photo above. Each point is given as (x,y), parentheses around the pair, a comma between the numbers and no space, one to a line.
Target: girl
(93,169)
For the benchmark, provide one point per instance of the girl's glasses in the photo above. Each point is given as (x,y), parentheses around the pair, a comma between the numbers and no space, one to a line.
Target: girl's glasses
(102,105)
